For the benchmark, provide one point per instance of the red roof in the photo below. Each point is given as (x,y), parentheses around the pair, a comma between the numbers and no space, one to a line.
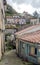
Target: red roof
(31,28)
(31,37)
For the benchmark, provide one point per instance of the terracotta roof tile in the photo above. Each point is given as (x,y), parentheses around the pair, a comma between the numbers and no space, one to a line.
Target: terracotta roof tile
(31,37)
(29,29)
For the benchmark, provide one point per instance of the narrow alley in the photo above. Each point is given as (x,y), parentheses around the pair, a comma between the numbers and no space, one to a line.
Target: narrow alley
(10,58)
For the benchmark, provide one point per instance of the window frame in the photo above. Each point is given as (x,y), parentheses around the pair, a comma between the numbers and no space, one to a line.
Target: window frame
(30,54)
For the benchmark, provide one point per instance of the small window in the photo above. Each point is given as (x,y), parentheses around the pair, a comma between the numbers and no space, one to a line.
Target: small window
(32,50)
(35,51)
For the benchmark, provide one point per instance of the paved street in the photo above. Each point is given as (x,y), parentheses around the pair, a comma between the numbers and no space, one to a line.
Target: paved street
(11,58)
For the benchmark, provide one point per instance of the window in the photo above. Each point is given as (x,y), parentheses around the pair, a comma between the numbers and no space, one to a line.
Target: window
(33,51)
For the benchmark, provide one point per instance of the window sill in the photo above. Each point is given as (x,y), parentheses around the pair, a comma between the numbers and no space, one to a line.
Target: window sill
(35,56)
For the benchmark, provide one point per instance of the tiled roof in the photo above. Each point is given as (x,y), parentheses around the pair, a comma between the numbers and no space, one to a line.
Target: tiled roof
(31,37)
(29,29)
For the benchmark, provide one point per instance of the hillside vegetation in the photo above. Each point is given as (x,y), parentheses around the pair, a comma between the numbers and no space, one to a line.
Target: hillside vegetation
(10,10)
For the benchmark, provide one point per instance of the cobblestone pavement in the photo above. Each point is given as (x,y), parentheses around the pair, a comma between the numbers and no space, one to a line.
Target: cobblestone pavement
(10,58)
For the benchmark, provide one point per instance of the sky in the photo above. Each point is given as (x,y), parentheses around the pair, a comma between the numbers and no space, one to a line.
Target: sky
(25,5)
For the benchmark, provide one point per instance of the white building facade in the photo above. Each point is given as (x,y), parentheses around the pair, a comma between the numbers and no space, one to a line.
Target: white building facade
(15,20)
(34,21)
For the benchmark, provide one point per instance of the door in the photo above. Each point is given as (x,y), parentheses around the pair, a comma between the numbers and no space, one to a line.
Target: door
(19,48)
(26,50)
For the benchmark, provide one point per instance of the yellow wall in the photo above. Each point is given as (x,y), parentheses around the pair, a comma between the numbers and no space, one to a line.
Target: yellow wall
(32,50)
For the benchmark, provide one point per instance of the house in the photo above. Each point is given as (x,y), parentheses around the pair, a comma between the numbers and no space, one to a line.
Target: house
(19,20)
(26,15)
(25,31)
(34,21)
(11,31)
(15,20)
(22,20)
(29,47)
(9,20)
(2,28)
(28,43)
(28,30)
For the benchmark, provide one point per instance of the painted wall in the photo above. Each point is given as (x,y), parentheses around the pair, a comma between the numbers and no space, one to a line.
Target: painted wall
(1,44)
(34,21)
(2,28)
(27,50)
(0,48)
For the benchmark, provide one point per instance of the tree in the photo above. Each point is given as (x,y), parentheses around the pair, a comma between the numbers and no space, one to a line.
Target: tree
(10,10)
(35,14)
